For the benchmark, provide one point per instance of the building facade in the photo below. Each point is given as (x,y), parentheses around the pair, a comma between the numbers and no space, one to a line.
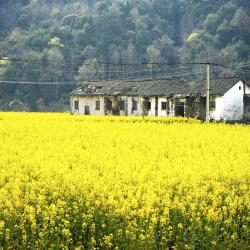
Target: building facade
(141,98)
(229,99)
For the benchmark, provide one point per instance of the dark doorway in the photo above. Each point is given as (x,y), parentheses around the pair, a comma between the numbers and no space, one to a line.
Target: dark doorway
(156,106)
(247,107)
(86,110)
(179,109)
(202,108)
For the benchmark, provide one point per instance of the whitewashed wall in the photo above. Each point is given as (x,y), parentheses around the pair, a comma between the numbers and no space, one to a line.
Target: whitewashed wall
(229,107)
(151,112)
(160,111)
(123,112)
(87,101)
(171,108)
(137,112)
(91,102)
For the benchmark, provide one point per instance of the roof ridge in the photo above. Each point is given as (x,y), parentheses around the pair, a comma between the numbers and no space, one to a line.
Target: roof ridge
(139,80)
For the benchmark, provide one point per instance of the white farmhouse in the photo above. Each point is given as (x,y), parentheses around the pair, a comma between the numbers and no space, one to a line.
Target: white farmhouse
(229,101)
(130,98)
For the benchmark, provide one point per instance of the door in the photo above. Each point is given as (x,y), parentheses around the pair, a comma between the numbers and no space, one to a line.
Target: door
(247,107)
(179,109)
(86,110)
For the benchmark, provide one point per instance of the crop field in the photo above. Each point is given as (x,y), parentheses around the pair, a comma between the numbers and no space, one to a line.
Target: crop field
(73,182)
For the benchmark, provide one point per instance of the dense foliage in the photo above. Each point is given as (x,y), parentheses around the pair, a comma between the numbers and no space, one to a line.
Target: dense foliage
(53,39)
(73,182)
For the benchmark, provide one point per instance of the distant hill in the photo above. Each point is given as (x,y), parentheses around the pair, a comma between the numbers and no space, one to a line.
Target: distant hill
(52,39)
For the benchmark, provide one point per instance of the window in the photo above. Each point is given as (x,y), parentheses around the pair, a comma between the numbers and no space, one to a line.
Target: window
(164,105)
(76,105)
(239,87)
(109,105)
(122,105)
(134,105)
(97,105)
(147,105)
(212,104)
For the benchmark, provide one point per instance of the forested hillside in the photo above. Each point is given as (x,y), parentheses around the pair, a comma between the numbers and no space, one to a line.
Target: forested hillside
(63,41)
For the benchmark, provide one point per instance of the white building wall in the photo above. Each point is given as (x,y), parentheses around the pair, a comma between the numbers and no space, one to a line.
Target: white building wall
(216,114)
(229,107)
(123,112)
(171,108)
(139,111)
(131,112)
(160,111)
(129,106)
(151,112)
(91,103)
(87,101)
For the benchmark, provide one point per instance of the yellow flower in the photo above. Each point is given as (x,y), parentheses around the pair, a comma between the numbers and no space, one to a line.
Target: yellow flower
(63,177)
(66,232)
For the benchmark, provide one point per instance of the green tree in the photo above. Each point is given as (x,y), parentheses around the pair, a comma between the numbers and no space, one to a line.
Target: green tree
(90,70)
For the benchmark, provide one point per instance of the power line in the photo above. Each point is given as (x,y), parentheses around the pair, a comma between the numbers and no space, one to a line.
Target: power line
(176,65)
(73,82)
(38,83)
(123,71)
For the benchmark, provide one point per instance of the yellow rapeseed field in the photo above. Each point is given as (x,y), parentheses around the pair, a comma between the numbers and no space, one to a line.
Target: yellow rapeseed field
(73,182)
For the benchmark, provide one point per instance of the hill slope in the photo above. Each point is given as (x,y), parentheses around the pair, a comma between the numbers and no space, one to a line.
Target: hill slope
(52,39)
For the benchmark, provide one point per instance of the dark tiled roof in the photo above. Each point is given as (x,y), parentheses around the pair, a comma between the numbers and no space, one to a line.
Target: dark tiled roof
(133,88)
(218,86)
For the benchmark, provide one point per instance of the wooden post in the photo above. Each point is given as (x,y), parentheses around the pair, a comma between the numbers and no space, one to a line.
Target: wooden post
(110,71)
(208,93)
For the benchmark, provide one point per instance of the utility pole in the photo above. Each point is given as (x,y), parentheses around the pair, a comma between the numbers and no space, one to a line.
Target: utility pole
(110,71)
(208,92)
(123,71)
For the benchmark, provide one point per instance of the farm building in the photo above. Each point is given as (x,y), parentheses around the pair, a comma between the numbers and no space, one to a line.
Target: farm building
(130,98)
(230,99)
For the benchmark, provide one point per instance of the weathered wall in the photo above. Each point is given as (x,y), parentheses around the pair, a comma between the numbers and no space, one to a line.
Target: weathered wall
(192,107)
(91,103)
(132,112)
(87,101)
(160,111)
(150,112)
(230,106)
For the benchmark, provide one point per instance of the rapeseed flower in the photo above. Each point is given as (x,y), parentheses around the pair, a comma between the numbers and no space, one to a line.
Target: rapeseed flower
(73,182)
